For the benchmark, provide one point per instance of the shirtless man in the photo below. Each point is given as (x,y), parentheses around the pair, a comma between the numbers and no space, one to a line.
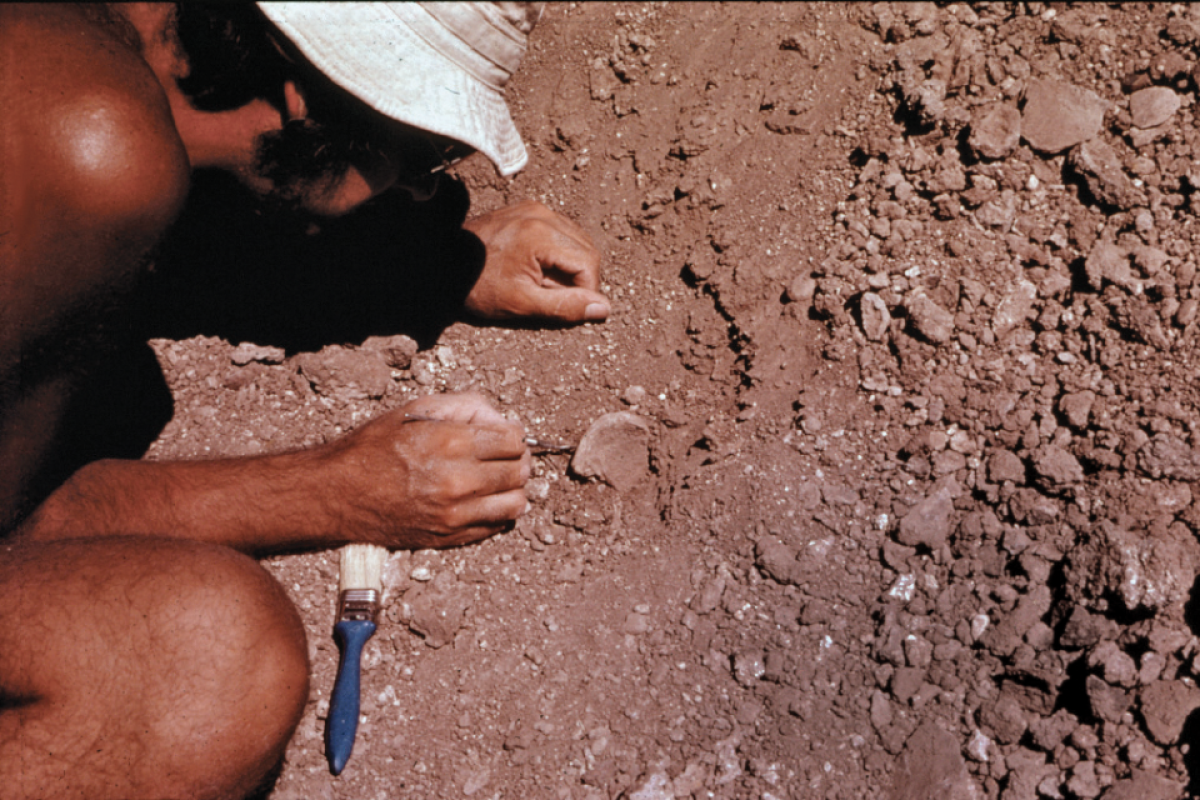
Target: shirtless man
(143,652)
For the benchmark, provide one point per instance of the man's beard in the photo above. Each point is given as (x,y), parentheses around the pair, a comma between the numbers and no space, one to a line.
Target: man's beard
(304,158)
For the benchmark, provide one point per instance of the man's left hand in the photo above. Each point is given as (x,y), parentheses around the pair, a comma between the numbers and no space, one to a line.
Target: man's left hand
(539,264)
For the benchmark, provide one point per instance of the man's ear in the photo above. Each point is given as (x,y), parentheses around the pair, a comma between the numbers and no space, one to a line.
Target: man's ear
(294,101)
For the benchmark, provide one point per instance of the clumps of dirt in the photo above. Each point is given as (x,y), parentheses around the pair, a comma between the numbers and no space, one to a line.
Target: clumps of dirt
(899,498)
(1020,263)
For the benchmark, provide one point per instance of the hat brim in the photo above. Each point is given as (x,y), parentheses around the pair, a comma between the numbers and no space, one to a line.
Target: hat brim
(368,50)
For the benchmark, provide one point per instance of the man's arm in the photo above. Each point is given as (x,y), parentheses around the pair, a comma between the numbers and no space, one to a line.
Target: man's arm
(396,481)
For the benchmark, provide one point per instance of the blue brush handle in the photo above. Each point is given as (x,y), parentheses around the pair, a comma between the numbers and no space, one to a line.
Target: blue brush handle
(342,723)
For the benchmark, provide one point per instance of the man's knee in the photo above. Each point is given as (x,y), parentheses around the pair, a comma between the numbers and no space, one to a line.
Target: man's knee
(246,682)
(187,660)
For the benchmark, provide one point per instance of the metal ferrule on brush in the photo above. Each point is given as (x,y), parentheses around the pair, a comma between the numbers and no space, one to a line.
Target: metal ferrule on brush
(358,604)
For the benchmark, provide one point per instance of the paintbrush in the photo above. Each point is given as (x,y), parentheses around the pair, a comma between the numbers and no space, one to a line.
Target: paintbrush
(359,589)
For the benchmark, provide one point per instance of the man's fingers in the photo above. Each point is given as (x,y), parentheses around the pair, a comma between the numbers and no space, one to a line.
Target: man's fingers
(575,259)
(499,442)
(497,509)
(467,407)
(568,304)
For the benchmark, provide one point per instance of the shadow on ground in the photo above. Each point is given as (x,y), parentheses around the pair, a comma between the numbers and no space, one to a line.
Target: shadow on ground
(235,270)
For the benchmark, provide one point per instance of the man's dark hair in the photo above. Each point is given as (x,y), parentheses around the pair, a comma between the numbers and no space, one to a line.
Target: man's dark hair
(232,58)
(235,55)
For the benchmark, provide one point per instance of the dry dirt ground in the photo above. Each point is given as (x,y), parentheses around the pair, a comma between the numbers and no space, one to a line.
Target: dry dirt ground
(905,307)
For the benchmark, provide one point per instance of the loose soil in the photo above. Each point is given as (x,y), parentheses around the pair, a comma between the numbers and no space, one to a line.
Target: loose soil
(912,514)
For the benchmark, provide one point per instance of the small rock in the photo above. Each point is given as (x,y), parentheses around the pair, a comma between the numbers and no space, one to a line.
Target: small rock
(1058,116)
(778,561)
(1015,308)
(1101,169)
(690,781)
(395,575)
(1153,106)
(246,352)
(656,786)
(346,374)
(709,598)
(1117,666)
(1165,706)
(839,494)
(749,668)
(1151,668)
(1040,636)
(928,523)
(1033,507)
(1167,639)
(1108,702)
(1150,259)
(931,320)
(904,588)
(615,450)
(1004,465)
(636,624)
(979,747)
(437,615)
(475,781)
(1182,30)
(917,651)
(931,767)
(1151,571)
(1026,770)
(927,100)
(1000,212)
(729,765)
(398,351)
(906,682)
(1144,786)
(1107,262)
(1077,408)
(995,131)
(1084,629)
(635,395)
(1165,456)
(1049,732)
(948,462)
(875,317)
(1187,312)
(802,288)
(1083,782)
(1005,637)
(881,711)
(1056,467)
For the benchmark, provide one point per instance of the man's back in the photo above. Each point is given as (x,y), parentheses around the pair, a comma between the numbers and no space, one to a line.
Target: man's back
(92,173)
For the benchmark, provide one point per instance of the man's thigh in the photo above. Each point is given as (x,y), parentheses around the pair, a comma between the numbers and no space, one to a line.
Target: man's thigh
(134,667)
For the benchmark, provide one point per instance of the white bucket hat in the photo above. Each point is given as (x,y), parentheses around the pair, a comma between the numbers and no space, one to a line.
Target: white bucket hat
(441,67)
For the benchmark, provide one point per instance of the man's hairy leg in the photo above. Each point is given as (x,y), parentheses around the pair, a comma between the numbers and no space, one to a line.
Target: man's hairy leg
(135,667)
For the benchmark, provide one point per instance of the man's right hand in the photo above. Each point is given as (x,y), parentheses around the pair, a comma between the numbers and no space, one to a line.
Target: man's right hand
(404,481)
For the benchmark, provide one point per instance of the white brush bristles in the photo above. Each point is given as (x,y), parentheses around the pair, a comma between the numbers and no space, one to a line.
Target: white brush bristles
(362,567)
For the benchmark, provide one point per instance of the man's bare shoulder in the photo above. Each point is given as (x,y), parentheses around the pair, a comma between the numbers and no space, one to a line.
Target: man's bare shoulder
(86,122)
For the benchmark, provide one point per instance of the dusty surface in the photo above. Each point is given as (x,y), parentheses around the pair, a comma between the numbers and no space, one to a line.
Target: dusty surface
(905,305)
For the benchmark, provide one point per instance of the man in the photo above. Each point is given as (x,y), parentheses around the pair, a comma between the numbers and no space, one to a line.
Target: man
(142,652)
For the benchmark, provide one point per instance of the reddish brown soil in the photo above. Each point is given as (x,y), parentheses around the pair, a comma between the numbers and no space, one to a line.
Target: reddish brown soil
(949,557)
